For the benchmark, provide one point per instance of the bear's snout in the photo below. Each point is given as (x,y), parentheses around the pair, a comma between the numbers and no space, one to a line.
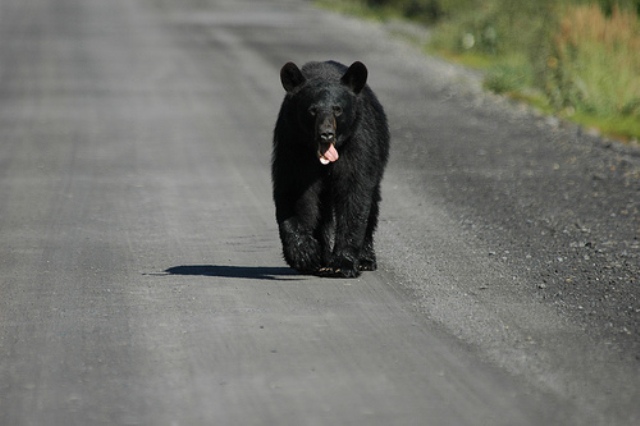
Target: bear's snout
(326,128)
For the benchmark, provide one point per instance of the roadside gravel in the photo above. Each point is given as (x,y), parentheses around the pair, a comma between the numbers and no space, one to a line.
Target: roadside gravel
(564,202)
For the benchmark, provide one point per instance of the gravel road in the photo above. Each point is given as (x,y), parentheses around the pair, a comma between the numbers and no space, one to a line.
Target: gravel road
(141,277)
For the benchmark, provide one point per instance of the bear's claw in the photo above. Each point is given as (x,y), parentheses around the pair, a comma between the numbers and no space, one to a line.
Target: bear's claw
(331,272)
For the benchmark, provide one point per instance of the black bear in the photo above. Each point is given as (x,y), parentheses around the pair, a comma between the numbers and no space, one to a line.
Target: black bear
(330,149)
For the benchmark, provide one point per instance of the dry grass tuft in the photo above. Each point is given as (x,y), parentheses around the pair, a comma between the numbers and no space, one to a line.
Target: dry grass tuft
(595,64)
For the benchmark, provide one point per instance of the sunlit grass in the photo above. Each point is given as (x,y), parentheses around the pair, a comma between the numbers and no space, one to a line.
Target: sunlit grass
(358,8)
(563,57)
(595,64)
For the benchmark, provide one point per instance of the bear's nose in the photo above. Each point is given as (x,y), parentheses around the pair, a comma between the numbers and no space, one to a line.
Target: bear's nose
(326,128)
(327,136)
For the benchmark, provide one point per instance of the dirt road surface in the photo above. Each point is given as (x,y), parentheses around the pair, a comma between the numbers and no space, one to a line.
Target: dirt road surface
(141,277)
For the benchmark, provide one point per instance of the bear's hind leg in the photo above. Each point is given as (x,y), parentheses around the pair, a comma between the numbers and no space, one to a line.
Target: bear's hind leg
(324,230)
(368,257)
(368,254)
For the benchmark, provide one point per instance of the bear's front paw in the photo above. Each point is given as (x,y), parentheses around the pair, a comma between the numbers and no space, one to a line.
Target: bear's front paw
(301,252)
(367,265)
(343,268)
(332,272)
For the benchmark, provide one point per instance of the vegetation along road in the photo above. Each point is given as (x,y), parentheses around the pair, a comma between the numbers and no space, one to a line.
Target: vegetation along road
(141,275)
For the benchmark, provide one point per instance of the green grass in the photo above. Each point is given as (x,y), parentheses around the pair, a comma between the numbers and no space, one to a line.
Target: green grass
(579,61)
(359,8)
(625,129)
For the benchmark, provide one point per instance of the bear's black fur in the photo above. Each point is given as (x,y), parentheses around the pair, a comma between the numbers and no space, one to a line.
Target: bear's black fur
(330,149)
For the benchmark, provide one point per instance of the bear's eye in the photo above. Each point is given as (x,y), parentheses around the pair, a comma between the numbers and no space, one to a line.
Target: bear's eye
(313,111)
(337,110)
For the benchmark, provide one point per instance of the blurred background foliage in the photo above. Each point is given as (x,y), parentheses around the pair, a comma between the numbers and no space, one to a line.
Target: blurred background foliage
(578,58)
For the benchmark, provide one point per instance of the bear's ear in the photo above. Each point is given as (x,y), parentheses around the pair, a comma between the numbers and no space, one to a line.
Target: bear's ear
(291,76)
(356,77)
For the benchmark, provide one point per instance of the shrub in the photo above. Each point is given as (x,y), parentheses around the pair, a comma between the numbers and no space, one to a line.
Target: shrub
(594,66)
(581,57)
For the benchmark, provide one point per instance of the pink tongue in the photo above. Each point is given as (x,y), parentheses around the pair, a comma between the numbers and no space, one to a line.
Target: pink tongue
(330,156)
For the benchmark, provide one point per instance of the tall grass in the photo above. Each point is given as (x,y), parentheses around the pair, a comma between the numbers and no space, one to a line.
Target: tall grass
(594,66)
(580,58)
(506,37)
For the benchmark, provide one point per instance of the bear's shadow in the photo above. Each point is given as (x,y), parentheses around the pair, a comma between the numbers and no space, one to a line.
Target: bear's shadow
(250,272)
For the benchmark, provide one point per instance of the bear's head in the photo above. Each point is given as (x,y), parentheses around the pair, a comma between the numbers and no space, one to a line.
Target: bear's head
(325,107)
